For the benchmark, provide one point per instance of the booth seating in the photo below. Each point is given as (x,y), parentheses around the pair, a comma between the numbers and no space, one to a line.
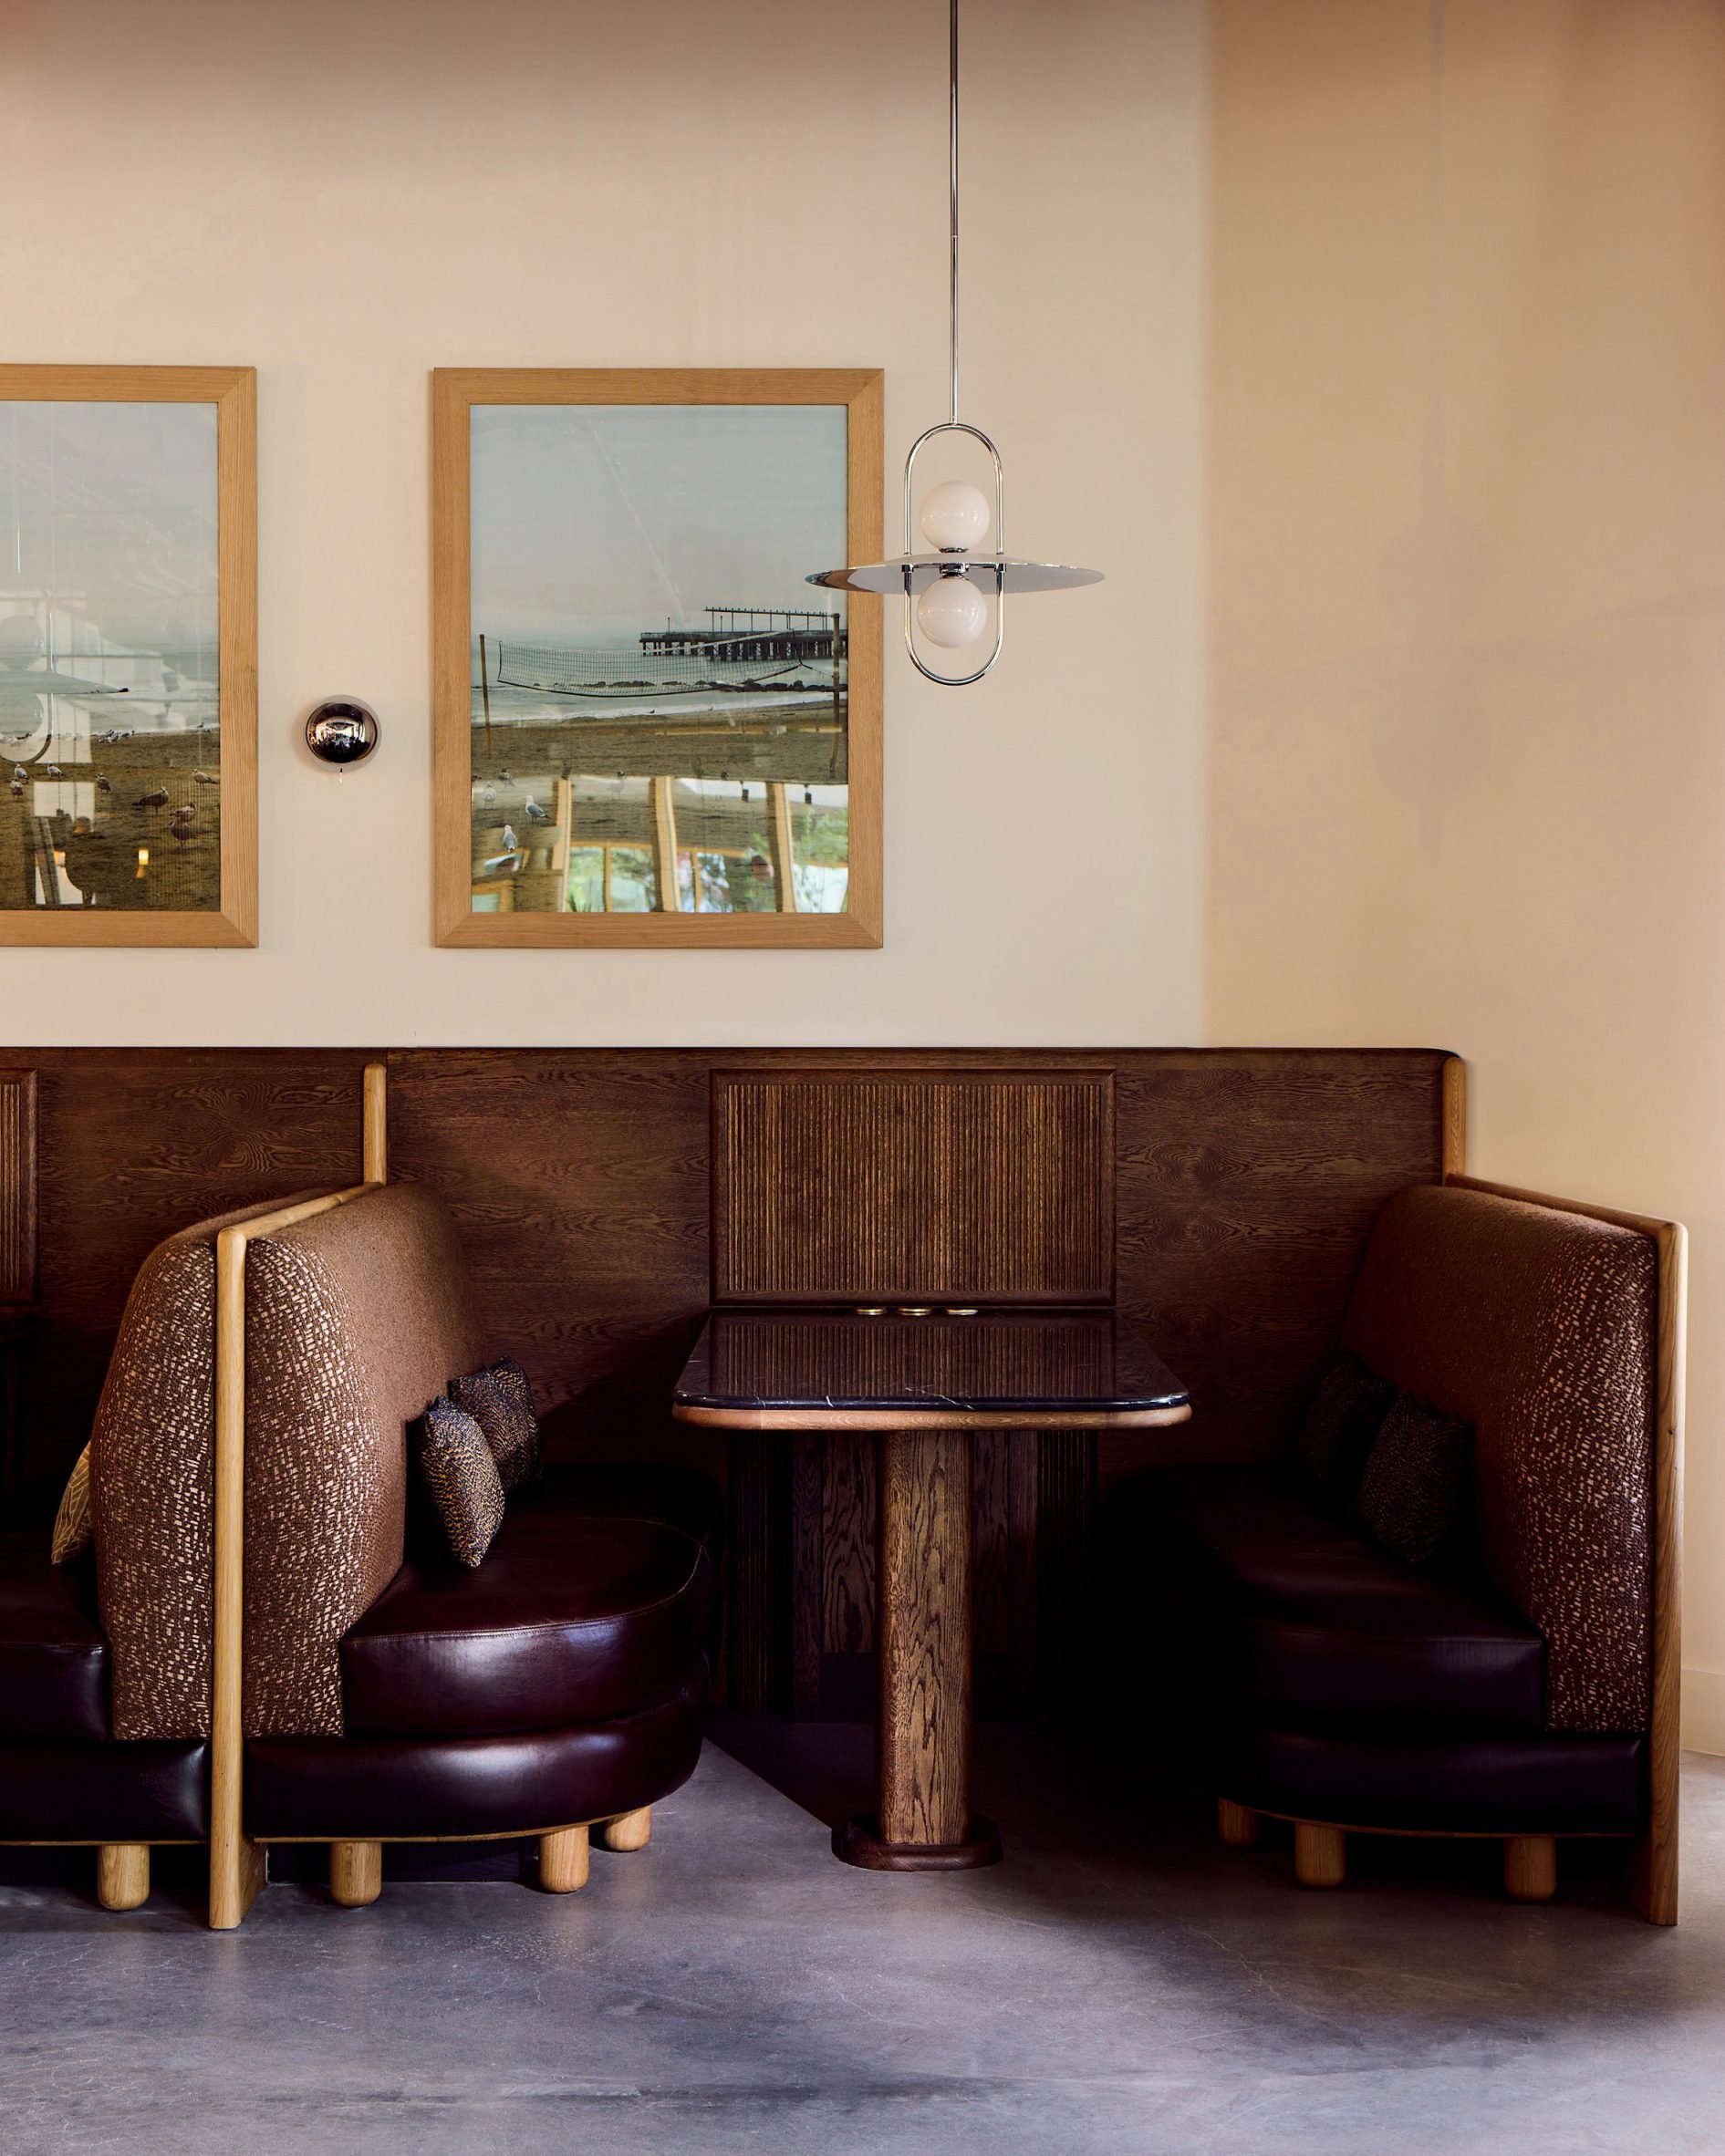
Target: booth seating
(355,1692)
(250,1651)
(87,1754)
(1525,1690)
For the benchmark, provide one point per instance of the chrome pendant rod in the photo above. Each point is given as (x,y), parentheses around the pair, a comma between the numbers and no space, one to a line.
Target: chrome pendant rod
(954,140)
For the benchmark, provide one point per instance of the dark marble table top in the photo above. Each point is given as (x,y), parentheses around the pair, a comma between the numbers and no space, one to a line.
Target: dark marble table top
(877,1363)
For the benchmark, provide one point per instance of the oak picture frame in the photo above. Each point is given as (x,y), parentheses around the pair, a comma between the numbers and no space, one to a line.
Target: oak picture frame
(454,394)
(233,390)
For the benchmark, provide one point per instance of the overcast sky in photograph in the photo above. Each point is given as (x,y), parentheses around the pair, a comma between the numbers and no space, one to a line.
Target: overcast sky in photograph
(610,518)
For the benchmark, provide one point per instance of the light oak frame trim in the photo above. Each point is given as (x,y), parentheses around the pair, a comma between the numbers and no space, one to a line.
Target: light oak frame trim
(454,391)
(233,392)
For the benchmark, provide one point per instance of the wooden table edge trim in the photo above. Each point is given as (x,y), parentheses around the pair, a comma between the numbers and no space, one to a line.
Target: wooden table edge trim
(948,1418)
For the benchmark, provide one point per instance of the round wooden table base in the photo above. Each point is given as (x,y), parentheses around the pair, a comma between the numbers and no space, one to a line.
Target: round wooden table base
(856,1841)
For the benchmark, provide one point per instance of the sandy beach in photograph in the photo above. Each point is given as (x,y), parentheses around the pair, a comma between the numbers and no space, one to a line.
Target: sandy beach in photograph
(121,847)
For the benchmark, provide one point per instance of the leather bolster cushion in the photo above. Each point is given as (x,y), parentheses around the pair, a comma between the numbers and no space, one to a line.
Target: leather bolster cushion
(359,1788)
(128,1789)
(1548,1783)
(53,1653)
(1305,1617)
(567,1621)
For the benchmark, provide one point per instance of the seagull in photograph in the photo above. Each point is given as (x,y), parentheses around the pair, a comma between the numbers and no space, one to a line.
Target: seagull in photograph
(19,773)
(104,785)
(54,772)
(180,827)
(511,844)
(204,779)
(159,799)
(15,788)
(503,779)
(535,814)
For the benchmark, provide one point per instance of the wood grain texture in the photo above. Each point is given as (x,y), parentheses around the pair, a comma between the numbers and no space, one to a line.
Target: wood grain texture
(858,1186)
(923,1620)
(133,1145)
(356,1873)
(630,1830)
(123,1874)
(847,1495)
(1248,1183)
(1530,1867)
(454,392)
(18,1185)
(563,1860)
(233,390)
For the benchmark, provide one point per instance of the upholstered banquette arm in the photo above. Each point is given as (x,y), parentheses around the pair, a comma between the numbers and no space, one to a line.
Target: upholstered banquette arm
(354,1319)
(1537,1325)
(152,1488)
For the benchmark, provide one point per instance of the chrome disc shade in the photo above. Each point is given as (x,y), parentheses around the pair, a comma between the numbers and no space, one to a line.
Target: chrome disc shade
(913,573)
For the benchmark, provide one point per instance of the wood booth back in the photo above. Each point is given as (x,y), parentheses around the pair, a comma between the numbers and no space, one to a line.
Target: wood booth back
(606,1198)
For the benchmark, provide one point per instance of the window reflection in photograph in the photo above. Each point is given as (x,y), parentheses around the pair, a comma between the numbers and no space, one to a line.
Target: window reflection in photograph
(659,705)
(109,680)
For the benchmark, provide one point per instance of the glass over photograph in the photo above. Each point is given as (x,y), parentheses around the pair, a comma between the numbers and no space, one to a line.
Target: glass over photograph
(659,718)
(110,690)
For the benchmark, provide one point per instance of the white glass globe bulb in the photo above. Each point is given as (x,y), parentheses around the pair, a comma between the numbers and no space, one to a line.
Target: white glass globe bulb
(951,612)
(954,516)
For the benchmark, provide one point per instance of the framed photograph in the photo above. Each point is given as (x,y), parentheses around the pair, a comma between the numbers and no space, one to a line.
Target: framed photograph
(128,655)
(652,729)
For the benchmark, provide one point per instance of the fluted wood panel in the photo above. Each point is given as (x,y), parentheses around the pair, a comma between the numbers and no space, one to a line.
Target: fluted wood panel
(849,1185)
(17,1187)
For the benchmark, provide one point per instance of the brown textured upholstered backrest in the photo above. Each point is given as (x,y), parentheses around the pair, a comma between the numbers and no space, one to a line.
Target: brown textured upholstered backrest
(355,1319)
(1539,1326)
(153,1503)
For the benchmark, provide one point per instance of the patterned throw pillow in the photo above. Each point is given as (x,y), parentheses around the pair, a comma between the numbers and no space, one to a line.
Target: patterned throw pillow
(500,1401)
(461,1478)
(1414,1495)
(1341,1427)
(74,1532)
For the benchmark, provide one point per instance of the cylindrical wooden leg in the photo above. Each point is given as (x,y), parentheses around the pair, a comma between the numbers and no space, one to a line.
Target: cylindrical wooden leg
(1238,1827)
(123,1874)
(563,1859)
(922,1634)
(356,1873)
(629,1829)
(1320,1854)
(1530,1867)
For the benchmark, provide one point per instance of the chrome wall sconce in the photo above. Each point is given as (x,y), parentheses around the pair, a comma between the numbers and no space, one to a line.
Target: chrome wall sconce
(342,730)
(946,592)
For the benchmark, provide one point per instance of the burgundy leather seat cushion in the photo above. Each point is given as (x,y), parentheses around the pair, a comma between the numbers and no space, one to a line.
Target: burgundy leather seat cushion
(1308,1618)
(321,1787)
(568,1621)
(53,1653)
(128,1789)
(1550,1783)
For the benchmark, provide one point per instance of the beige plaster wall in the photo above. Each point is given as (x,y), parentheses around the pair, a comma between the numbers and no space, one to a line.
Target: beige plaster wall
(348,195)
(1466,506)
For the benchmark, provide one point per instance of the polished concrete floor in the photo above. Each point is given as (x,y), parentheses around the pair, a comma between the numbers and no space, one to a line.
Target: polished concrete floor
(1120,1984)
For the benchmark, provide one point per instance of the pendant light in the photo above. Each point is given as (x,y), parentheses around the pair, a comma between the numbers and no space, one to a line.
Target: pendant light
(947,593)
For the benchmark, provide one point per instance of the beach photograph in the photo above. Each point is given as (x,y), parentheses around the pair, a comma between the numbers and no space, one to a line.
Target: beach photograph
(660,703)
(109,676)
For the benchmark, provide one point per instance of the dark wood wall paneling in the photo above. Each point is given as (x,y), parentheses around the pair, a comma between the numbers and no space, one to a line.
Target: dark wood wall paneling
(1242,1185)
